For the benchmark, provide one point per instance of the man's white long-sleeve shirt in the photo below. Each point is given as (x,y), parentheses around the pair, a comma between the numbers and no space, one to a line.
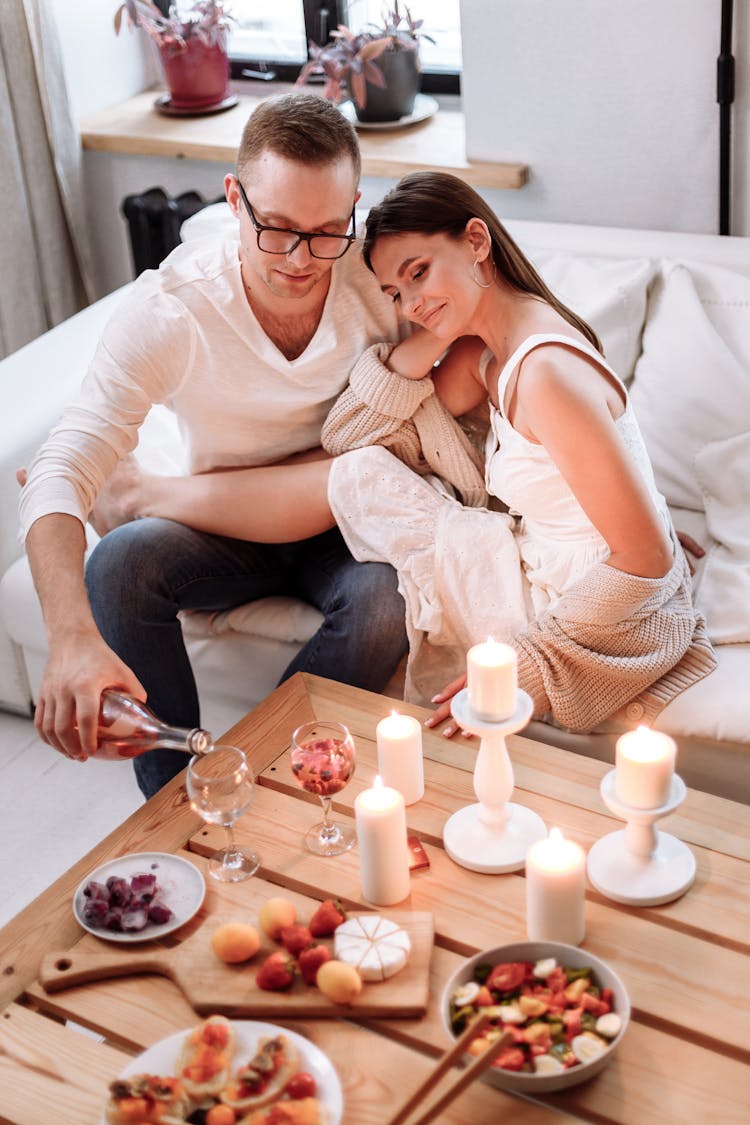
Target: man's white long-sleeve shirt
(186,336)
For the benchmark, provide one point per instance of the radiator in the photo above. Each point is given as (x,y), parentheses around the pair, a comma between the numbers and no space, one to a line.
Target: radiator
(154,220)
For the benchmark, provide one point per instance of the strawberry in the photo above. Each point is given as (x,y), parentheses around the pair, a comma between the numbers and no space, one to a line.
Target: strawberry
(276,972)
(295,939)
(310,961)
(326,918)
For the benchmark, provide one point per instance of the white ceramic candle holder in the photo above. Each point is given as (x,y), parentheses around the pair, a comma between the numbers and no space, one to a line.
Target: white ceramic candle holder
(494,835)
(638,865)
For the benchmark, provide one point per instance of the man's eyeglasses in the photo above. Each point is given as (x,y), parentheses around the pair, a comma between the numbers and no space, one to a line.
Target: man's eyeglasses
(277,240)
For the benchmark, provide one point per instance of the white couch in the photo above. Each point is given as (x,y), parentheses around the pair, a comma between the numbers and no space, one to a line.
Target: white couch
(673,311)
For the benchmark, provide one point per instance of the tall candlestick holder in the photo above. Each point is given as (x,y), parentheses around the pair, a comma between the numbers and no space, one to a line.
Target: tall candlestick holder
(494,835)
(638,865)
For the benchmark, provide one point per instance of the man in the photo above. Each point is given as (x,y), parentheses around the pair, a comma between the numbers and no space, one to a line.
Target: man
(249,343)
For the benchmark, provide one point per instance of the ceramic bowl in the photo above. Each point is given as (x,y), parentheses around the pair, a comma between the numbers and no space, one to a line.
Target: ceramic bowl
(568,956)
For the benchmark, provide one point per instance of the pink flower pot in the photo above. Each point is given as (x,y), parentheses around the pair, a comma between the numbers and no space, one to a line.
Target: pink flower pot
(197,74)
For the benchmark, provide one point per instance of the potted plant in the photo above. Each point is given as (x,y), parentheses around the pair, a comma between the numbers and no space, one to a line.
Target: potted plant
(191,40)
(377,68)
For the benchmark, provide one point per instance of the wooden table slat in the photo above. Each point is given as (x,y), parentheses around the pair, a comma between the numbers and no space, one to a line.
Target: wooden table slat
(49,1073)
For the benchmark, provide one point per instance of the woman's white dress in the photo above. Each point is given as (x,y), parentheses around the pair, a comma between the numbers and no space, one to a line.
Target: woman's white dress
(469,573)
(557,541)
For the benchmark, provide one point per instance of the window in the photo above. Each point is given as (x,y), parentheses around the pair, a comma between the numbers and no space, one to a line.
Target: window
(271,40)
(441,22)
(271,33)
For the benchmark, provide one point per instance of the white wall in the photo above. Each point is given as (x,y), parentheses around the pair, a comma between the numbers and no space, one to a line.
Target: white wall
(612,103)
(101,68)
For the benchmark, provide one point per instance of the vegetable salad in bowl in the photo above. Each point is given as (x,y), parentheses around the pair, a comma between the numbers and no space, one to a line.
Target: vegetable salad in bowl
(564,1010)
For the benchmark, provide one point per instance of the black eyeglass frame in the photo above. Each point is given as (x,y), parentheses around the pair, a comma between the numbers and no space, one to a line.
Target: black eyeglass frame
(302,236)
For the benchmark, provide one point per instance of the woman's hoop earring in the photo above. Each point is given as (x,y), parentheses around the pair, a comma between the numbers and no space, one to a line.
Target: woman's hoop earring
(476,276)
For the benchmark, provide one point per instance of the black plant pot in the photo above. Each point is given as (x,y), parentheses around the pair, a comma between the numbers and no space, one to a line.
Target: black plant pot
(396,99)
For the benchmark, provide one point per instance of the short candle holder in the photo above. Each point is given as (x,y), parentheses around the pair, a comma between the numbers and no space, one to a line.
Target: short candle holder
(638,865)
(494,835)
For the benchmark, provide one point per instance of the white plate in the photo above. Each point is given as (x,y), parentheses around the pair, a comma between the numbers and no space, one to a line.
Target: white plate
(424,107)
(181,887)
(163,1059)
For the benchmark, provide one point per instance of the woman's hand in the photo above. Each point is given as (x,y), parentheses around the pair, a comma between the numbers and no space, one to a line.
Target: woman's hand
(692,546)
(443,712)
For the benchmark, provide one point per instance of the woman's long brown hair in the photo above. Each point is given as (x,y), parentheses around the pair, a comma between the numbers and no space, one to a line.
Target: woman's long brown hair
(438,203)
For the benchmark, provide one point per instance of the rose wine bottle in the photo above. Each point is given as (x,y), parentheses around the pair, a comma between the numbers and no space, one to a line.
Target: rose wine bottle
(128,728)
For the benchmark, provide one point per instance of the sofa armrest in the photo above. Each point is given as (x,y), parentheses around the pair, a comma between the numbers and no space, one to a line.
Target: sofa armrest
(37,382)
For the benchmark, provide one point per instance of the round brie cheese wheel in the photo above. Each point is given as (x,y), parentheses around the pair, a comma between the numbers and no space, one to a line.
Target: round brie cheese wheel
(377,947)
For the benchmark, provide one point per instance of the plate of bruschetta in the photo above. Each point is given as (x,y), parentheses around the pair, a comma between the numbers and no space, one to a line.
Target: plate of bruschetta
(227,1072)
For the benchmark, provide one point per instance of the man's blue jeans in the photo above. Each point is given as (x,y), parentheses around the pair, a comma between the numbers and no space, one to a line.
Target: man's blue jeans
(142,574)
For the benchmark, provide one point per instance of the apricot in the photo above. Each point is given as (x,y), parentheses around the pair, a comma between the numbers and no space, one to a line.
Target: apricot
(340,982)
(235,941)
(275,915)
(221,1115)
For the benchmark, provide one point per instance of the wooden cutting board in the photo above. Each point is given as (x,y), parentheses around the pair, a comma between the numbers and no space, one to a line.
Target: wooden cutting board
(212,986)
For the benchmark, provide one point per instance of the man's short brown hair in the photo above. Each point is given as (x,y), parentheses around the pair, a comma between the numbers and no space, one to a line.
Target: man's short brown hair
(301,127)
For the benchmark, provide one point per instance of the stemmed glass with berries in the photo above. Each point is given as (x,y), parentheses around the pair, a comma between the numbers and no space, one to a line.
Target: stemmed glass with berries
(323,760)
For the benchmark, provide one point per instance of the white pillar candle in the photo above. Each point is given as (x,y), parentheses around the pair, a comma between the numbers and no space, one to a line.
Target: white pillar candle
(556,890)
(644,761)
(492,680)
(399,742)
(383,852)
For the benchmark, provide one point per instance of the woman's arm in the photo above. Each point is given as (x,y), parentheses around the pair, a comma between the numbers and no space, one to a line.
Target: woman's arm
(416,355)
(376,408)
(268,504)
(571,418)
(456,378)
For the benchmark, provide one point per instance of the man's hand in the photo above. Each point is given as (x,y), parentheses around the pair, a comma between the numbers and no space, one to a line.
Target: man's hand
(69,697)
(80,664)
(443,712)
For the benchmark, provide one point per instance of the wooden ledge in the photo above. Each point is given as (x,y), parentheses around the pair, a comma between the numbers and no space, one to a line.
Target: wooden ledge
(136,128)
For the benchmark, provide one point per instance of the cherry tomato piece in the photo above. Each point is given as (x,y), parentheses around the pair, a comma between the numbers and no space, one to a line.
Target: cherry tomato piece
(301,1085)
(512,1058)
(507,977)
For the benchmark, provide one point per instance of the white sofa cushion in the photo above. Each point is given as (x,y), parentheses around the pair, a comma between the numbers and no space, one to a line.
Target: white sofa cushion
(277,618)
(723,594)
(713,709)
(609,293)
(692,382)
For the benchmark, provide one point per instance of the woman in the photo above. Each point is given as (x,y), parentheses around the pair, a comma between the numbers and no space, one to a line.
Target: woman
(607,587)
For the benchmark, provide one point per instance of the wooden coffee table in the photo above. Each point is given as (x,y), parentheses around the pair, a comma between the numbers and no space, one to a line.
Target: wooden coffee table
(686,965)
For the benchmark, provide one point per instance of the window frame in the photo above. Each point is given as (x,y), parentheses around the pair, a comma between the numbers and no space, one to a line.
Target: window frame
(323,16)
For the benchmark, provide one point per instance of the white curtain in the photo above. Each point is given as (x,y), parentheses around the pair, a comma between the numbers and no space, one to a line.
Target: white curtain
(45,273)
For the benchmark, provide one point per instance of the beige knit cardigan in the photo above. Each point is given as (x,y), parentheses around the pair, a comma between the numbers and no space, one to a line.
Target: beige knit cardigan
(613,638)
(379,407)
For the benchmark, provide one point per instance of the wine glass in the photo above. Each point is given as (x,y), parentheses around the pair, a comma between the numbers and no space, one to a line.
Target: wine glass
(323,762)
(220,787)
